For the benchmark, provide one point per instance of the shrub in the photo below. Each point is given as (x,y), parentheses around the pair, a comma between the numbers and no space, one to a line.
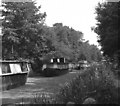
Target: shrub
(95,82)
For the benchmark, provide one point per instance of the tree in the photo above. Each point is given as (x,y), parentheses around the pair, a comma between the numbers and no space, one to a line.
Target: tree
(89,52)
(107,27)
(82,57)
(68,40)
(22,30)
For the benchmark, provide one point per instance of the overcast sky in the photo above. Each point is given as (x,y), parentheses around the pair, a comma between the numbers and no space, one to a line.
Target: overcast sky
(78,14)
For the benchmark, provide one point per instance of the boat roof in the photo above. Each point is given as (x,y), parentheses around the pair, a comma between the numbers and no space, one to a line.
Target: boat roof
(57,58)
(13,61)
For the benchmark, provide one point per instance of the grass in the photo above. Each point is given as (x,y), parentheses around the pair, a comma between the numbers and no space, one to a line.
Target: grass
(36,85)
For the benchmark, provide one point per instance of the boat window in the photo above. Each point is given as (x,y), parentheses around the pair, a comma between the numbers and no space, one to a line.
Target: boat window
(0,69)
(58,60)
(24,67)
(62,60)
(29,67)
(55,60)
(51,60)
(15,68)
(5,68)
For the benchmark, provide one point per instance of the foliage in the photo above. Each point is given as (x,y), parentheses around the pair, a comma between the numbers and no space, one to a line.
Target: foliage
(67,42)
(96,82)
(89,52)
(22,30)
(107,27)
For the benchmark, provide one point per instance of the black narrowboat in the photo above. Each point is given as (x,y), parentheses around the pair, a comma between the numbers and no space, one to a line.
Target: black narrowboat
(13,74)
(56,66)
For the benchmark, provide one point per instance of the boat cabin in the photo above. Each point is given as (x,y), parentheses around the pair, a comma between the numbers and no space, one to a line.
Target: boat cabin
(56,66)
(13,74)
(57,60)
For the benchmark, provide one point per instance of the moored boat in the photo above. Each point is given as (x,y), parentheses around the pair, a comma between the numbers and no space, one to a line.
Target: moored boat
(56,66)
(13,74)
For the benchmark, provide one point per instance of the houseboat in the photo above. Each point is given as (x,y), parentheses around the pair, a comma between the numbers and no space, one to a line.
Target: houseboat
(56,66)
(13,74)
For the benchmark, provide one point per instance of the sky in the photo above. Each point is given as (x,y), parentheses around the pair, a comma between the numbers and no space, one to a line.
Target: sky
(78,14)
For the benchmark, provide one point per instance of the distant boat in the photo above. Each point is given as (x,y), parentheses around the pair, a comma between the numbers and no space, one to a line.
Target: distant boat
(56,66)
(13,74)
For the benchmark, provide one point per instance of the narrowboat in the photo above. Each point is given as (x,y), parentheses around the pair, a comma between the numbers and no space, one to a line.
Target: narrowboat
(13,74)
(56,66)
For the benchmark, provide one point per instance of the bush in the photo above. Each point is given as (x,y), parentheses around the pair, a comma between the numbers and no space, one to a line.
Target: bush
(96,82)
